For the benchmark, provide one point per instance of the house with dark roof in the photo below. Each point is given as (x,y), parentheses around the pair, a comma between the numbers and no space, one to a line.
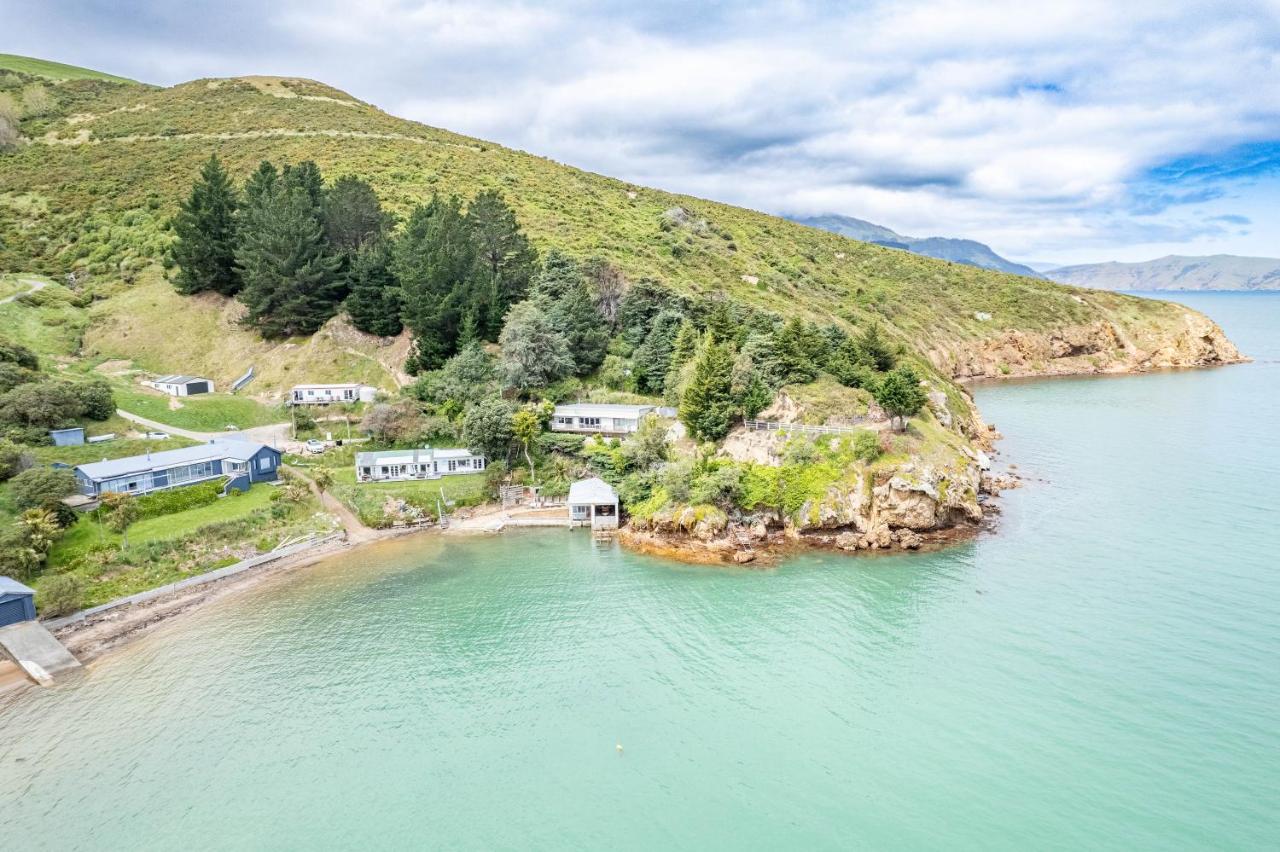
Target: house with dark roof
(240,463)
(178,385)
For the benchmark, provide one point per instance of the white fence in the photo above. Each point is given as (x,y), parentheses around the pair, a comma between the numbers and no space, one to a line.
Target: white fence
(774,426)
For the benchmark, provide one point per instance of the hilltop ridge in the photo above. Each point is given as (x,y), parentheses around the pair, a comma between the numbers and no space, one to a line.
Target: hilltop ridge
(1224,272)
(90,189)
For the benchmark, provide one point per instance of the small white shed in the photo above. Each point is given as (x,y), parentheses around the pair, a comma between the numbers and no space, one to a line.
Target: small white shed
(593,502)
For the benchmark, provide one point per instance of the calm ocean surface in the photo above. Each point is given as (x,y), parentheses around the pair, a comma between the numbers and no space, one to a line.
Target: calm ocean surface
(1102,672)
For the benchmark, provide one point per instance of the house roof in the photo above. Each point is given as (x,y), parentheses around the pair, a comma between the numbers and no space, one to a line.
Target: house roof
(424,455)
(594,490)
(330,387)
(10,586)
(177,380)
(216,449)
(591,409)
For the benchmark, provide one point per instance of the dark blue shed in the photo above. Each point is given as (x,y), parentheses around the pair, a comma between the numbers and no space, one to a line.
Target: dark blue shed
(73,437)
(17,602)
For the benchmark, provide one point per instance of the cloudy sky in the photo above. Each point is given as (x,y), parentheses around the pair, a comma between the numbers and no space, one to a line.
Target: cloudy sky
(1069,132)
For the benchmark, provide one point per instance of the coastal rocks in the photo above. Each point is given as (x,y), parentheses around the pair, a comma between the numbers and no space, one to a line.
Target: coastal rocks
(1165,335)
(1199,343)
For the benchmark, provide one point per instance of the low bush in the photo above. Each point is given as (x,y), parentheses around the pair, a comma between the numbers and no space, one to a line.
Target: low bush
(59,594)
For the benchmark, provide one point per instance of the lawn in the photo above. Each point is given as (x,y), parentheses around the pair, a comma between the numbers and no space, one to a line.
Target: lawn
(173,547)
(212,412)
(366,499)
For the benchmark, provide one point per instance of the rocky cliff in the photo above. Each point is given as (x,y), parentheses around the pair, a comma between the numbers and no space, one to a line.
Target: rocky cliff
(1188,340)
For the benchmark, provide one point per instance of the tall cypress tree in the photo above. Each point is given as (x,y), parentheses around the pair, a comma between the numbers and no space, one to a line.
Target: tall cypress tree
(353,215)
(707,407)
(305,176)
(206,234)
(374,299)
(261,184)
(505,261)
(434,260)
(290,278)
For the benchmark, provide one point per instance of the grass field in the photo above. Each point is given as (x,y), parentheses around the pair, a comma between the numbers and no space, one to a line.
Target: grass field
(164,332)
(172,547)
(212,412)
(54,70)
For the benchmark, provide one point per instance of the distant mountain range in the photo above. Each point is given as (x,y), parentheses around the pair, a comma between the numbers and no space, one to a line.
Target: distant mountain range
(969,252)
(1175,272)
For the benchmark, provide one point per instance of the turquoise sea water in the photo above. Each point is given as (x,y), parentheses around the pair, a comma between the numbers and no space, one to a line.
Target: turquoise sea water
(1101,672)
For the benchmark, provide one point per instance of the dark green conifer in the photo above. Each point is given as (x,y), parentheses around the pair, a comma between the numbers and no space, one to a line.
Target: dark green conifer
(206,234)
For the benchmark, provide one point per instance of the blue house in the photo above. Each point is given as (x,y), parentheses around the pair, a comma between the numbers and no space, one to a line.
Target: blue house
(17,602)
(238,462)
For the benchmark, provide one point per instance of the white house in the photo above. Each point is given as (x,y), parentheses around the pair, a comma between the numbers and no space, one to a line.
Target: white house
(591,419)
(593,502)
(326,394)
(425,463)
(182,385)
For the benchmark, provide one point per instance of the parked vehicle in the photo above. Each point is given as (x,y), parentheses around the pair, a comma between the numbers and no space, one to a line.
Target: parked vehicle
(315,446)
(158,436)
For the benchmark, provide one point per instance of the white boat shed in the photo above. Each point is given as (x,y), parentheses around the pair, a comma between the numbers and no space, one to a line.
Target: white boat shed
(593,502)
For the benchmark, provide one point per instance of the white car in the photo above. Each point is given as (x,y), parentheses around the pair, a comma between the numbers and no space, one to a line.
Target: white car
(314,446)
(158,436)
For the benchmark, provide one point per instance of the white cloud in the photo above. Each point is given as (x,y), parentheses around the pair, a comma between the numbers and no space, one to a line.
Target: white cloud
(1031,126)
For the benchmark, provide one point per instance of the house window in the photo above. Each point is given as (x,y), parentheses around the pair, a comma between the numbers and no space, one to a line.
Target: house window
(311,393)
(589,422)
(564,421)
(453,465)
(264,463)
(348,394)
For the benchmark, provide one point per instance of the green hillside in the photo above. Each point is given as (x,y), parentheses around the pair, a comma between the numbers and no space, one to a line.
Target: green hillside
(54,70)
(103,168)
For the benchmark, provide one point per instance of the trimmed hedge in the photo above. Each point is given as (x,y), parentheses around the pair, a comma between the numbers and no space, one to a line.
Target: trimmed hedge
(178,499)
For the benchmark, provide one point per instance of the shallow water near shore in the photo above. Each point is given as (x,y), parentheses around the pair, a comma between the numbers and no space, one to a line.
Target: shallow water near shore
(1100,672)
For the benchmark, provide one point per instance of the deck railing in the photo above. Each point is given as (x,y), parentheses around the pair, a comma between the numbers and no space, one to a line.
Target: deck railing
(802,428)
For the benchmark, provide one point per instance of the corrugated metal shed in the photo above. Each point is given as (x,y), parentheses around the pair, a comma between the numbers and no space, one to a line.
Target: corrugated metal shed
(17,602)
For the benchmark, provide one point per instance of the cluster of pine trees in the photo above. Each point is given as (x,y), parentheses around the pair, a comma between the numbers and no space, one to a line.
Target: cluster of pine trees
(296,251)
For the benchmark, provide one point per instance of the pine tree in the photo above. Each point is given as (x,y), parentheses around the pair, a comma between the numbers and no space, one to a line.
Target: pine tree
(706,409)
(755,396)
(721,323)
(560,289)
(901,395)
(373,302)
(686,345)
(434,260)
(290,279)
(876,349)
(505,262)
(305,176)
(206,234)
(353,216)
(797,356)
(653,356)
(261,184)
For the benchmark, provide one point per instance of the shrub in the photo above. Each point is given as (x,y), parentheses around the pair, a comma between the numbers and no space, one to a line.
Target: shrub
(40,485)
(866,446)
(59,594)
(13,459)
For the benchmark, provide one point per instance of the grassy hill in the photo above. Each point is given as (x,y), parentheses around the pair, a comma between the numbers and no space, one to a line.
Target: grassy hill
(54,70)
(92,189)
